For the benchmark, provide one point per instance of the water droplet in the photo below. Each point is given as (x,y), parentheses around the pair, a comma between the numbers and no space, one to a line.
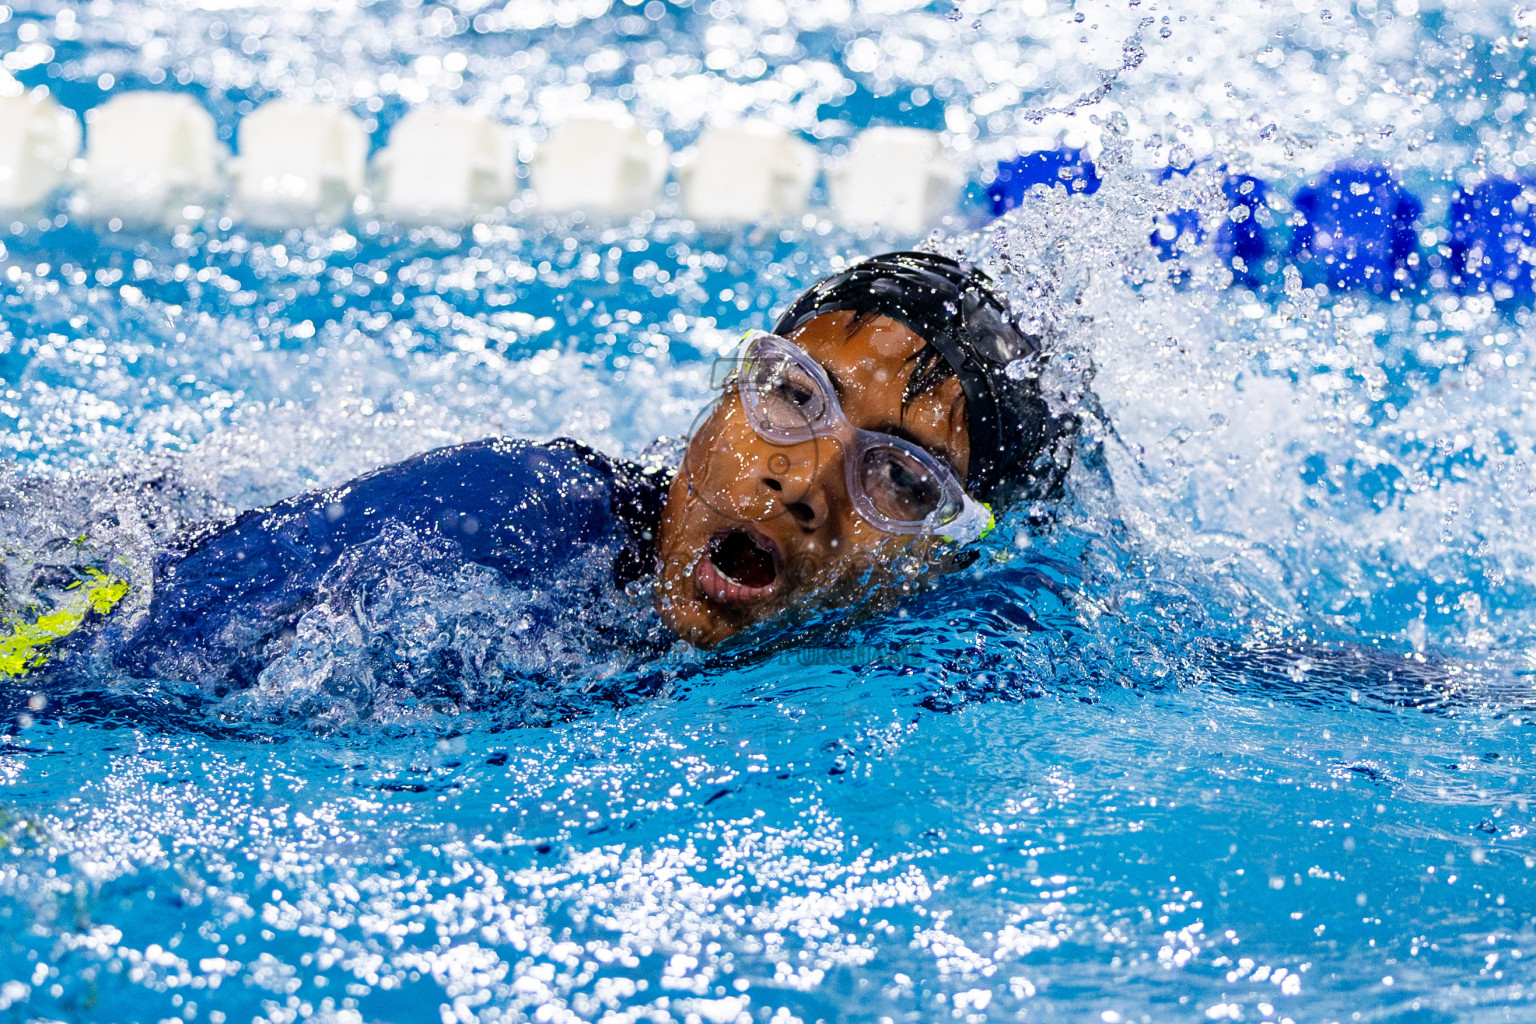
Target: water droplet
(1292,282)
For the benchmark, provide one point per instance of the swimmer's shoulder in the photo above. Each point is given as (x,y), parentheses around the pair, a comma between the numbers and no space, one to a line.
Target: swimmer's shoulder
(633,492)
(527,494)
(564,463)
(513,486)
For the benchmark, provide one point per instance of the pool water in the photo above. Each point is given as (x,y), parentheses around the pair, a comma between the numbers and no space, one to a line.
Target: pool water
(1243,735)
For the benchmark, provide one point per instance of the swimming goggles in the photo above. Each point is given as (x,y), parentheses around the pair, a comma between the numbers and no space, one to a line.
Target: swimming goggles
(896,486)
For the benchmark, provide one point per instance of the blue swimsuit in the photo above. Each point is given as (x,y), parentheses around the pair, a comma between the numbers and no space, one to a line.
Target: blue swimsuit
(225,593)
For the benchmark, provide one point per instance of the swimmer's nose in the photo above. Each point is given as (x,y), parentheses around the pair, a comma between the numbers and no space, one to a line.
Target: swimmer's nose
(810,512)
(804,500)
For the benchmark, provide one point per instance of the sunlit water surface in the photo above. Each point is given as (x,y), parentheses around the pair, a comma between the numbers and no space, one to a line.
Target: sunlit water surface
(1053,788)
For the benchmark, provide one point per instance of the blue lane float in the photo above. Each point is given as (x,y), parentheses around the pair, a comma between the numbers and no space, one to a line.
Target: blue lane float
(1240,241)
(1356,230)
(1242,236)
(1490,239)
(1069,168)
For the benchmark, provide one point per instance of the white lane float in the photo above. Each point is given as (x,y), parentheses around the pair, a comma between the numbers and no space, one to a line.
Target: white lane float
(898,179)
(747,172)
(155,158)
(151,158)
(445,165)
(299,163)
(38,139)
(600,162)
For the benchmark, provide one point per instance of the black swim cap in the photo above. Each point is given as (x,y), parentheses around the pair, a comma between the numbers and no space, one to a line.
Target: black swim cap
(1015,439)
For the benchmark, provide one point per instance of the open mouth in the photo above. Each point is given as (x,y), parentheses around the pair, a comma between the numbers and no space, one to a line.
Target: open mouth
(739,568)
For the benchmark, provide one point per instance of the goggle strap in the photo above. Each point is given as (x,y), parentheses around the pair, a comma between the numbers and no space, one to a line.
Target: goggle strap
(974,522)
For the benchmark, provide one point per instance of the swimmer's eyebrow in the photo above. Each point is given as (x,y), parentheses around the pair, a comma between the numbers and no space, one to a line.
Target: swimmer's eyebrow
(837,384)
(896,429)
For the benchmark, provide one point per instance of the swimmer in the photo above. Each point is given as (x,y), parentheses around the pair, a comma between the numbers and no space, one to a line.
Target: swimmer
(893,411)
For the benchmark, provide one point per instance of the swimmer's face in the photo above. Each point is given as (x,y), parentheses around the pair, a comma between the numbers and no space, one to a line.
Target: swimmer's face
(778,526)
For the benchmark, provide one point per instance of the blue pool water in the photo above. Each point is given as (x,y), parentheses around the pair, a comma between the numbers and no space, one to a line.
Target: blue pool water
(1144,766)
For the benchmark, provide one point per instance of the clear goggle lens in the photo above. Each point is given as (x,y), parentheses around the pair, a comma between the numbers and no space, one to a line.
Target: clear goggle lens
(900,488)
(783,398)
